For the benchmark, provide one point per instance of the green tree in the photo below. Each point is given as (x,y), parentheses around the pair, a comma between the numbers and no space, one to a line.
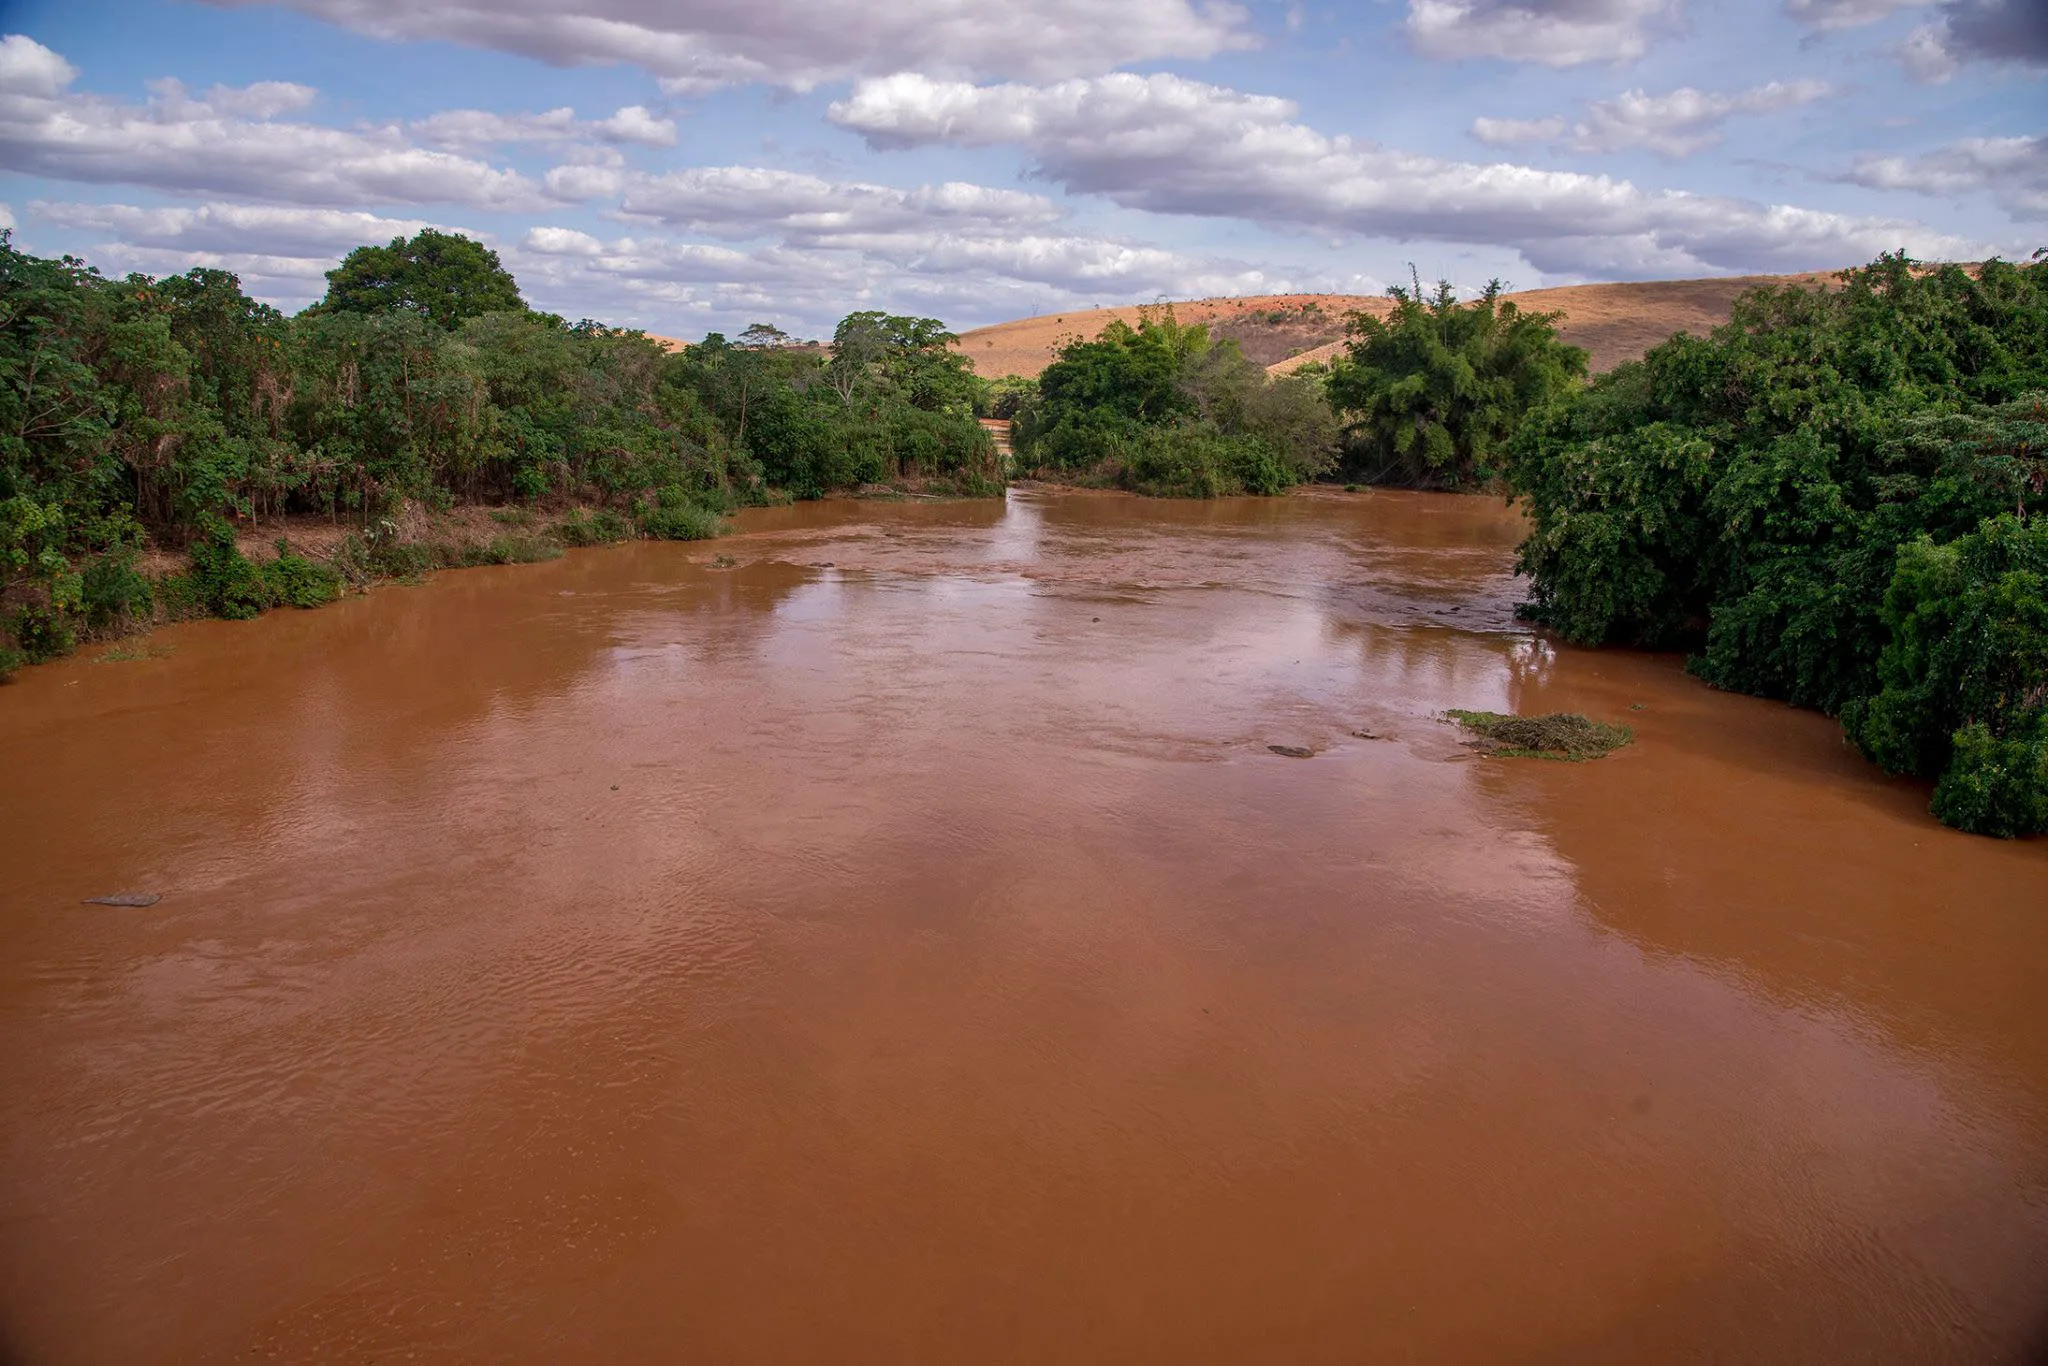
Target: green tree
(442,277)
(1432,393)
(1803,499)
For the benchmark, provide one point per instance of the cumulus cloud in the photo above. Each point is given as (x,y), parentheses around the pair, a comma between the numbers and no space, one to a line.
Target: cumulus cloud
(226,142)
(2002,31)
(29,70)
(2014,171)
(963,277)
(1676,124)
(469,128)
(260,229)
(804,43)
(1552,32)
(747,201)
(1169,145)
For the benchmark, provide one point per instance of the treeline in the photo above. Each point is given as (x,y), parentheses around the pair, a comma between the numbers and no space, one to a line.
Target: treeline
(172,414)
(1834,500)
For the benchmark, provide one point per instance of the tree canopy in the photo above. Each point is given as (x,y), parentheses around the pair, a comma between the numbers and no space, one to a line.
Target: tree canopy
(1834,500)
(442,277)
(170,413)
(1164,408)
(1432,393)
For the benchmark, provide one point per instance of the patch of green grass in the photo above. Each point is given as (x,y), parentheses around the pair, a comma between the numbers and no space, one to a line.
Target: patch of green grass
(141,649)
(1559,735)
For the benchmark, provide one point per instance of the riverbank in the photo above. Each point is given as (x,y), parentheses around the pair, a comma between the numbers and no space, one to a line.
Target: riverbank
(306,561)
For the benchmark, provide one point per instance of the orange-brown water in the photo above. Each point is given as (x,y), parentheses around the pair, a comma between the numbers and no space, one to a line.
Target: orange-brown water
(921,957)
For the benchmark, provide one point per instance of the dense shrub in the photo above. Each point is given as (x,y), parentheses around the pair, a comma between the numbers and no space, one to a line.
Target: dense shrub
(292,580)
(1166,410)
(675,516)
(226,583)
(1835,501)
(601,526)
(1433,393)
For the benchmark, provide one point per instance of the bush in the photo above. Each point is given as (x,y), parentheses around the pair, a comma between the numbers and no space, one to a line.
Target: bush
(295,581)
(600,527)
(225,581)
(1836,500)
(676,516)
(112,590)
(515,547)
(1434,392)
(1995,786)
(10,660)
(1964,676)
(42,633)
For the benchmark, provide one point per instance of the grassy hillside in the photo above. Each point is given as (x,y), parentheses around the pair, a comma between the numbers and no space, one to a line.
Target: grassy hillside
(1614,322)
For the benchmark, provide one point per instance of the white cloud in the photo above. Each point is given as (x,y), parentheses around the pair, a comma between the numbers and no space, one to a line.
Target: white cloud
(804,43)
(746,201)
(1830,15)
(1925,55)
(6,218)
(673,286)
(562,242)
(1517,132)
(29,70)
(1551,32)
(226,142)
(267,230)
(1169,145)
(471,128)
(2014,171)
(1675,124)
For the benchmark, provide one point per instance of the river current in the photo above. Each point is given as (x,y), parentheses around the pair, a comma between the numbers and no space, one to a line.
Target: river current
(886,935)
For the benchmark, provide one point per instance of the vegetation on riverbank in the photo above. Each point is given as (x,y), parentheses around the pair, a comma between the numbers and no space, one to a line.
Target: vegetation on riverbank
(1558,735)
(142,417)
(1166,409)
(1834,500)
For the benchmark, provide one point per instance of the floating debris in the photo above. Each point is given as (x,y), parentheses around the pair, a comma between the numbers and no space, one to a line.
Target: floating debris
(124,899)
(1292,751)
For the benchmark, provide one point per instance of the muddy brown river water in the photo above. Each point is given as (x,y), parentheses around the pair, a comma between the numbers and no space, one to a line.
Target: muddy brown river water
(902,946)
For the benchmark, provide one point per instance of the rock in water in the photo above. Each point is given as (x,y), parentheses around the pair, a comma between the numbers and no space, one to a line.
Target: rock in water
(1293,751)
(125,899)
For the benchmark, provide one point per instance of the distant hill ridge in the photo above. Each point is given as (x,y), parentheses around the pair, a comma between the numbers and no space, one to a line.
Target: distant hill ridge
(1614,322)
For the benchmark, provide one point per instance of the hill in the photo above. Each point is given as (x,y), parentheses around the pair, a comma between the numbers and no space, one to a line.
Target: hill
(1614,322)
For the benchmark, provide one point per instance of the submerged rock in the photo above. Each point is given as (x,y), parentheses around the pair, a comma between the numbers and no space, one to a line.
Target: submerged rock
(124,899)
(1292,751)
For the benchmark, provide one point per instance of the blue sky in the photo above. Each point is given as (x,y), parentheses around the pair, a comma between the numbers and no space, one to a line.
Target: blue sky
(689,165)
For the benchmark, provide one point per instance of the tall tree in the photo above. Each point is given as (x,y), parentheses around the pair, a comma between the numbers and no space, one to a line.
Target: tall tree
(443,277)
(1433,391)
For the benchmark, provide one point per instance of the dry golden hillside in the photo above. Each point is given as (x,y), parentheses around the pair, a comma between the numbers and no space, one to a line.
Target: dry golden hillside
(1614,322)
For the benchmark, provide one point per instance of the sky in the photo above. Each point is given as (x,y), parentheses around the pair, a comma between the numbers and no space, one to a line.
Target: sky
(686,166)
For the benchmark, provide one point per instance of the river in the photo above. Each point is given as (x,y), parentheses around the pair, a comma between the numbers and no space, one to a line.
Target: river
(895,941)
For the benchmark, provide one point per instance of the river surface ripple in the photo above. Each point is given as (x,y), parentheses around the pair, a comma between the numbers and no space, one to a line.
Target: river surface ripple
(901,945)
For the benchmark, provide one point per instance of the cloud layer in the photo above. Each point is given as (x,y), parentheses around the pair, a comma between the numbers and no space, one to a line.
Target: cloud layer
(800,44)
(1676,124)
(228,141)
(1170,145)
(1551,32)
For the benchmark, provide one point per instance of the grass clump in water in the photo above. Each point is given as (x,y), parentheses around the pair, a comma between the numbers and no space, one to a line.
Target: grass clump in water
(1559,735)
